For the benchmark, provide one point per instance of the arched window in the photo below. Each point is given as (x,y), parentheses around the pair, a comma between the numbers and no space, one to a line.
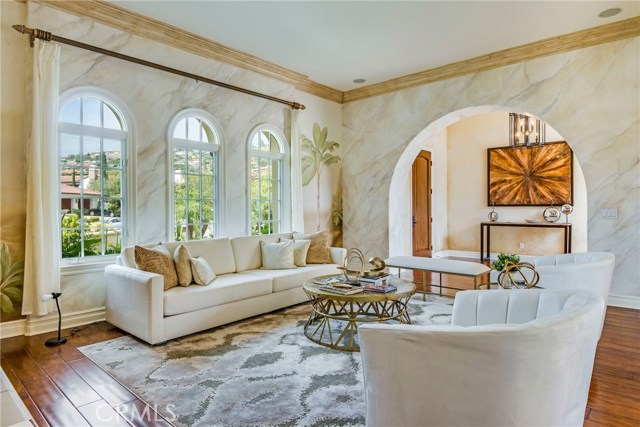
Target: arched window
(92,149)
(268,181)
(196,171)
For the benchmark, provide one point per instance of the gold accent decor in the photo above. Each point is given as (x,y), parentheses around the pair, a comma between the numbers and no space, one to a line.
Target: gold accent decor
(578,40)
(353,266)
(514,277)
(47,36)
(334,318)
(378,265)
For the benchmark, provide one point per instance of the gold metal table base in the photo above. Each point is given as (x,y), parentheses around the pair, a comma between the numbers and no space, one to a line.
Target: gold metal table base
(334,323)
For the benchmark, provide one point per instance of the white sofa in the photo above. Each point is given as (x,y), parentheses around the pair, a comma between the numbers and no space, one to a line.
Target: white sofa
(510,358)
(137,303)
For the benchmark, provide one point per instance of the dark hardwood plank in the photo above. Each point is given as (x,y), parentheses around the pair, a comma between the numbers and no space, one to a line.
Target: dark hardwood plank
(611,419)
(55,407)
(107,387)
(69,382)
(26,398)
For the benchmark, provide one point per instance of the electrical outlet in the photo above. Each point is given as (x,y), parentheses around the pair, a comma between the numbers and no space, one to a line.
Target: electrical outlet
(609,213)
(521,245)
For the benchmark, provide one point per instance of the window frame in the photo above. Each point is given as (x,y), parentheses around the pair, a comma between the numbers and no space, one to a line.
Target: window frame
(82,264)
(219,177)
(285,187)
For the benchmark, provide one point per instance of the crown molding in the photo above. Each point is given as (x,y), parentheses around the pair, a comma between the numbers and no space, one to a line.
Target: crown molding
(140,25)
(577,40)
(134,23)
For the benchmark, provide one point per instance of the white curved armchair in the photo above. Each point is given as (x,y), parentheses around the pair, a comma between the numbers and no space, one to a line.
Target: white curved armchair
(511,358)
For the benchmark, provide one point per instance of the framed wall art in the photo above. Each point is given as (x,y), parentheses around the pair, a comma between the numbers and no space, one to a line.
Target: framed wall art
(530,176)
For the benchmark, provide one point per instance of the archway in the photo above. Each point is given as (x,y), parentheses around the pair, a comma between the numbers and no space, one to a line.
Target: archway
(456,217)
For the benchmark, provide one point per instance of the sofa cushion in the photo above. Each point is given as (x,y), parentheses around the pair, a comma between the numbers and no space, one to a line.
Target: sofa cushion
(182,262)
(289,279)
(202,272)
(155,261)
(277,256)
(246,250)
(217,252)
(225,289)
(319,252)
(300,251)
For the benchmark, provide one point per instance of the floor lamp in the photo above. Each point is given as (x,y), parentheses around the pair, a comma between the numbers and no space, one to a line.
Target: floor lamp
(52,342)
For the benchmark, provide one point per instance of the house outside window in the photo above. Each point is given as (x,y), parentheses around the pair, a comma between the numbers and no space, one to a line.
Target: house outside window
(92,136)
(196,171)
(268,181)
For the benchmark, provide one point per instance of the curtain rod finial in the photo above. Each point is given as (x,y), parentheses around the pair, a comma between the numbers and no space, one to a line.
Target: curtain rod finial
(19,28)
(297,106)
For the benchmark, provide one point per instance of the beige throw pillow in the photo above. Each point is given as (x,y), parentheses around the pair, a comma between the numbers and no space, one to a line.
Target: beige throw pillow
(154,261)
(202,272)
(300,250)
(277,256)
(182,262)
(319,249)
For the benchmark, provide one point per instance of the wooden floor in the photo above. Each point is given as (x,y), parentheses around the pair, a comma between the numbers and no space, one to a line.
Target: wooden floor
(61,387)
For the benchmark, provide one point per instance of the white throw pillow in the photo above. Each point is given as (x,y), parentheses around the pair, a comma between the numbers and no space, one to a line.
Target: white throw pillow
(202,272)
(300,249)
(277,256)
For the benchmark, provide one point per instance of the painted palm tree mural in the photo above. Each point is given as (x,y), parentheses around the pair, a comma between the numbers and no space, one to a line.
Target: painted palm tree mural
(11,274)
(316,154)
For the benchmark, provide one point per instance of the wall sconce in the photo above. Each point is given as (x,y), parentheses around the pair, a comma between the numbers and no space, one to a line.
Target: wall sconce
(525,131)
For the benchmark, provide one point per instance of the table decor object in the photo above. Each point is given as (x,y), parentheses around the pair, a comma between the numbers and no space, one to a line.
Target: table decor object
(515,276)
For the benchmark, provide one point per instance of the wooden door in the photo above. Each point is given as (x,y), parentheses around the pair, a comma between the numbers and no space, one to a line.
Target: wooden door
(421,204)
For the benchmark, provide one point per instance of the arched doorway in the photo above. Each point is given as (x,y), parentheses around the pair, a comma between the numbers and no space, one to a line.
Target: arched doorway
(459,190)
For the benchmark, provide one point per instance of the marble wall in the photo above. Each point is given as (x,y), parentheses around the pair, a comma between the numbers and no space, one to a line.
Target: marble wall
(590,96)
(150,99)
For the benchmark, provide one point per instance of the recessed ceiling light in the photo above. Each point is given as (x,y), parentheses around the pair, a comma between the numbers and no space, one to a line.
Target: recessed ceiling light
(359,80)
(610,12)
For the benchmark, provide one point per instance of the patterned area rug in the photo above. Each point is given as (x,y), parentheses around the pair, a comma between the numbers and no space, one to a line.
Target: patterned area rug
(261,371)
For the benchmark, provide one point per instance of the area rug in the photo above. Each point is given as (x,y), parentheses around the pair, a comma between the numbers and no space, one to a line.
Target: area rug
(258,372)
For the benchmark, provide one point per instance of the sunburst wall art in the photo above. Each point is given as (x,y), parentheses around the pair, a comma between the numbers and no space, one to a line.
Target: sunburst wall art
(530,176)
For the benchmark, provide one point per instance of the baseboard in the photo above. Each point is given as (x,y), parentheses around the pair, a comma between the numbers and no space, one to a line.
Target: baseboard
(48,323)
(624,301)
(13,329)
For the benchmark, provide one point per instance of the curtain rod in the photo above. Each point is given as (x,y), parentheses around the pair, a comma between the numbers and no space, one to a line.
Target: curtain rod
(35,33)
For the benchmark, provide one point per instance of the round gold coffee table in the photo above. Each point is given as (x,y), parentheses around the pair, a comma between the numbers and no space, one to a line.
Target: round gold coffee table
(334,318)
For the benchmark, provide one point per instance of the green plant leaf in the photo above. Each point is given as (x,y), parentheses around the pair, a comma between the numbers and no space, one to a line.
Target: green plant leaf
(308,170)
(6,304)
(5,259)
(14,294)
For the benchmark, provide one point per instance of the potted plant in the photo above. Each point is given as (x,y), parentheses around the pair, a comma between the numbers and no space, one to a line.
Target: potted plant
(503,259)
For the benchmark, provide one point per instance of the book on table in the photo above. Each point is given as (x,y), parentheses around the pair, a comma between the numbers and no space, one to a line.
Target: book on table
(341,288)
(373,279)
(381,287)
(328,280)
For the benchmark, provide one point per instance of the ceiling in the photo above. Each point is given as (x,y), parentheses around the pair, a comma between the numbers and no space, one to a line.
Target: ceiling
(335,42)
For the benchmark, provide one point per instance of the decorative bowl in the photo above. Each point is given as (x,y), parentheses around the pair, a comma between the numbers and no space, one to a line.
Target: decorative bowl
(533,221)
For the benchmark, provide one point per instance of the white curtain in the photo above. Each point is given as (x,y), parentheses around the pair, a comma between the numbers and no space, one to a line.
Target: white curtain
(297,213)
(42,240)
